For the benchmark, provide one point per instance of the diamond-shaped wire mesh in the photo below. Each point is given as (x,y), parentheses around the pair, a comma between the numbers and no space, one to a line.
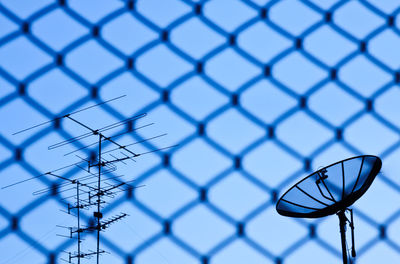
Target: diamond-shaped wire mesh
(257,93)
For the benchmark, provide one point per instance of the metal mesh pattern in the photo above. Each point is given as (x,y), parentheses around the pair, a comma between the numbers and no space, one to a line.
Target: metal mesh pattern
(257,93)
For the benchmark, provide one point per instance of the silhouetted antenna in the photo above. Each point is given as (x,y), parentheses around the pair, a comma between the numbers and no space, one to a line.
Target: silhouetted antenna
(157,150)
(137,142)
(97,131)
(54,171)
(40,175)
(83,255)
(331,190)
(92,190)
(75,112)
(105,224)
(114,136)
(81,182)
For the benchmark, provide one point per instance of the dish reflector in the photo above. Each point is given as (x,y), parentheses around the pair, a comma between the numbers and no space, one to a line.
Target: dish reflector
(330,189)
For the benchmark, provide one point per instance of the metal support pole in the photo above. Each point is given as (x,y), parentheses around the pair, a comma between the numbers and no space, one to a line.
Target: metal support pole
(79,227)
(342,225)
(98,202)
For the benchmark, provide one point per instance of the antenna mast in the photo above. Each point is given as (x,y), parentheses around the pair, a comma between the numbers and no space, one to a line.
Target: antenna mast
(98,214)
(93,188)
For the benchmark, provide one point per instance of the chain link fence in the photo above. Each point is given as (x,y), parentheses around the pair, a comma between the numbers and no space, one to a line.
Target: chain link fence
(256,93)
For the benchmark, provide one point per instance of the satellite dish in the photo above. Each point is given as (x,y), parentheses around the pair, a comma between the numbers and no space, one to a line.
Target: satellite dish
(331,190)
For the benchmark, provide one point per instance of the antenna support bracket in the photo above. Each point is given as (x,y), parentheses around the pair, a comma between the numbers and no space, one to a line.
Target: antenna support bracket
(97,214)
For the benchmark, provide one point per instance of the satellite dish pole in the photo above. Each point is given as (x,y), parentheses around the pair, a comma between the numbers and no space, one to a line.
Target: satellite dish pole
(342,226)
(332,190)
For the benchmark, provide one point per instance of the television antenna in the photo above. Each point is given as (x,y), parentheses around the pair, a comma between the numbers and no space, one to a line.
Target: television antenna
(331,190)
(95,188)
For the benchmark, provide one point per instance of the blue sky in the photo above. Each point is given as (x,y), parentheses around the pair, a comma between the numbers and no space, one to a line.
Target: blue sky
(257,94)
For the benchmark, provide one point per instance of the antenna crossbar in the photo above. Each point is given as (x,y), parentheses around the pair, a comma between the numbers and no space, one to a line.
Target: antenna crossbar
(72,113)
(105,138)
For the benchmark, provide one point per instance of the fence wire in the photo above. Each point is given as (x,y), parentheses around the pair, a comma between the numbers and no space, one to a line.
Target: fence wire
(257,93)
